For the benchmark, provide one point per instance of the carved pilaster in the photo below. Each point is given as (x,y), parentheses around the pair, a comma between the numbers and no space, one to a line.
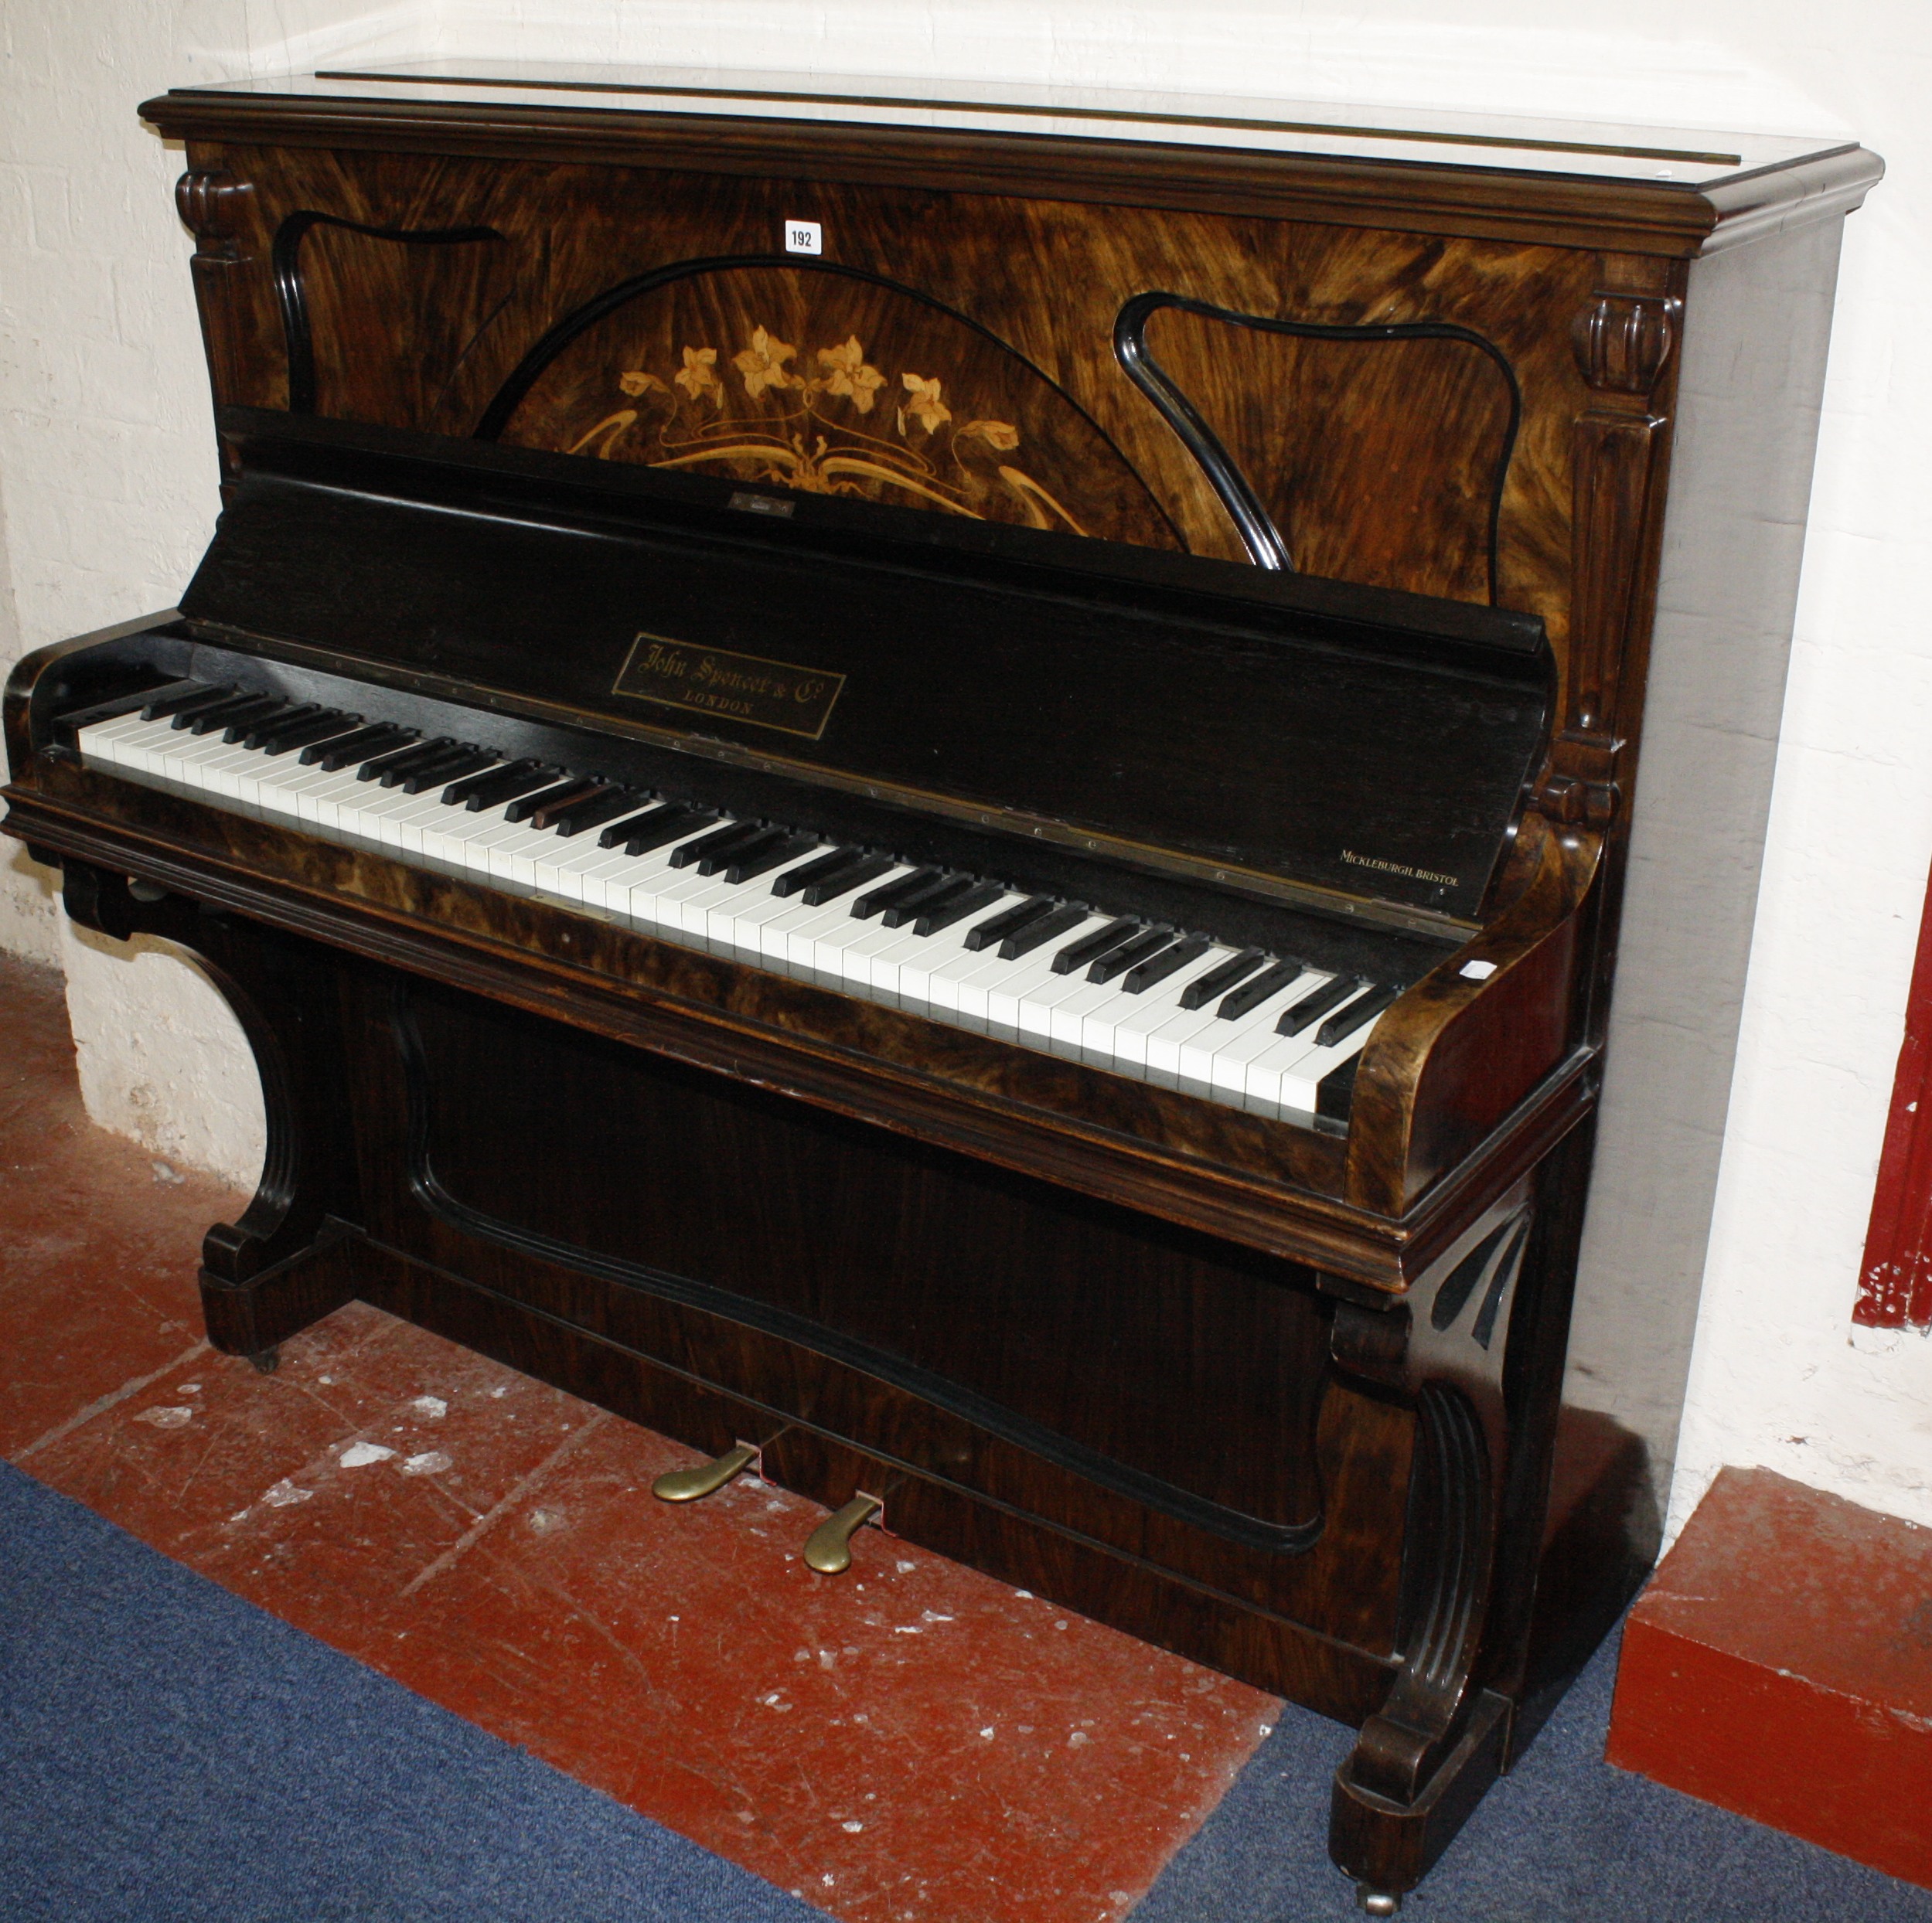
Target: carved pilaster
(215,207)
(1397,1798)
(1624,342)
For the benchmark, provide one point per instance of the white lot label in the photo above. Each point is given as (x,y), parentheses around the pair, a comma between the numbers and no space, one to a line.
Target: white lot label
(803,236)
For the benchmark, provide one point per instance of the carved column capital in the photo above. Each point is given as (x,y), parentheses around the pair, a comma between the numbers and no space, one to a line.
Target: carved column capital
(211,202)
(1623,341)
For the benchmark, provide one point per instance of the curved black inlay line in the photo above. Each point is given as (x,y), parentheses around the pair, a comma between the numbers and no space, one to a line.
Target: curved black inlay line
(1459,1284)
(292,298)
(1234,1525)
(1265,541)
(527,371)
(1484,1327)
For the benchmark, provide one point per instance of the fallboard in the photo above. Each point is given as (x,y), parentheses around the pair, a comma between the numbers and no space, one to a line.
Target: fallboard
(1271,732)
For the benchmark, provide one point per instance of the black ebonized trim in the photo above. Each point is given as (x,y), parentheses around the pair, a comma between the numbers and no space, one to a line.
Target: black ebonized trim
(292,296)
(1264,540)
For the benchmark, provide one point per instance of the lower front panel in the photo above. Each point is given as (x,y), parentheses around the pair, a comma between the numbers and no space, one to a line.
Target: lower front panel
(998,1358)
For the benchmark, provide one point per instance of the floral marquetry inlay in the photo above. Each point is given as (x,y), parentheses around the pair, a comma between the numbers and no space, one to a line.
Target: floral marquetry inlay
(834,383)
(801,423)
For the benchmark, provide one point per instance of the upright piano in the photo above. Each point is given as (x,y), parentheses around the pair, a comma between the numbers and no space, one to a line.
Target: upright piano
(943,793)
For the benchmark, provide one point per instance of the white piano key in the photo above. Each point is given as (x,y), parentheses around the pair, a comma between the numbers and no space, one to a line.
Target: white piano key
(918,989)
(1227,1076)
(1159,1005)
(1243,1063)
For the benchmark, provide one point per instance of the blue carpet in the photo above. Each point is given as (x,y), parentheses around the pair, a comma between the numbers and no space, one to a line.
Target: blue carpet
(1564,1839)
(168,1752)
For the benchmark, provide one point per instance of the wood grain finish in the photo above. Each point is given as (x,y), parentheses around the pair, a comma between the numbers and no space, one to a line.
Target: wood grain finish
(1555,210)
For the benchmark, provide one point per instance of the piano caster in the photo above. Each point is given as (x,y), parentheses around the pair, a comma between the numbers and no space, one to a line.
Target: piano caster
(691,1484)
(829,1547)
(266,1361)
(1377,1902)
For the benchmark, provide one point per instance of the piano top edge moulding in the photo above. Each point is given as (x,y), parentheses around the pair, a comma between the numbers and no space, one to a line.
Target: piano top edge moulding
(1060,670)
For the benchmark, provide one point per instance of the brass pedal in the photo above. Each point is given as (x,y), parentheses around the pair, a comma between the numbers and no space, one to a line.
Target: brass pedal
(689,1486)
(829,1547)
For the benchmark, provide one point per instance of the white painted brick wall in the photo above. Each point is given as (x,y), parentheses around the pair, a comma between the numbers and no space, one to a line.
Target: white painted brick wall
(107,492)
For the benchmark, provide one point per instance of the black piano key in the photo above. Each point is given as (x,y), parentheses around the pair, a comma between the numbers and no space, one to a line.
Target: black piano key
(1131,954)
(242,723)
(346,750)
(271,727)
(843,880)
(1312,1008)
(1144,975)
(1038,932)
(935,894)
(496,786)
(1250,995)
(553,809)
(1022,914)
(237,707)
(600,808)
(390,768)
(720,859)
(649,814)
(721,841)
(182,697)
(982,894)
(880,899)
(214,712)
(835,861)
(663,826)
(1338,1026)
(526,803)
(1218,981)
(761,858)
(445,769)
(1091,947)
(322,727)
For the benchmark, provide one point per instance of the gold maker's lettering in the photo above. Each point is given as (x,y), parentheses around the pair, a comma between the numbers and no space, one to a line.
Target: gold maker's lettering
(767,694)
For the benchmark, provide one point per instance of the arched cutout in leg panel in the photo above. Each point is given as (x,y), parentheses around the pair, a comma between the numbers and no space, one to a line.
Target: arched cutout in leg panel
(267,1275)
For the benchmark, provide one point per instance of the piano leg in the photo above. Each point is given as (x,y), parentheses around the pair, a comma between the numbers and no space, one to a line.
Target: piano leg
(283,1264)
(1476,1353)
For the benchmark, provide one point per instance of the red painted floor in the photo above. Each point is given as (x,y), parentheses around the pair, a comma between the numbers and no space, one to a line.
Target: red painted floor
(911,1741)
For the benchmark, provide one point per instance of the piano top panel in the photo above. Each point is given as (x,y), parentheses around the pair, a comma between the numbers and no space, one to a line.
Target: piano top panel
(1640,188)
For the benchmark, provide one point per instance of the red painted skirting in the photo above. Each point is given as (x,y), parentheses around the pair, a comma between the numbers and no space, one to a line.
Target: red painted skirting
(1779,1665)
(1895,1284)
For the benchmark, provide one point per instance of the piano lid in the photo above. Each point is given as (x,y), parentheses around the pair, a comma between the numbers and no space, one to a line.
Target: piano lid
(1305,739)
(1677,158)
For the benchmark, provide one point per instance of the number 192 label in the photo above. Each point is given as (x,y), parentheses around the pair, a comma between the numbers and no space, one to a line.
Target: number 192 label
(803,236)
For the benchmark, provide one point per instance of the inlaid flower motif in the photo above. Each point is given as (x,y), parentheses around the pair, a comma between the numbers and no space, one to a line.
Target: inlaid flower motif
(700,376)
(762,363)
(996,435)
(846,374)
(926,407)
(802,445)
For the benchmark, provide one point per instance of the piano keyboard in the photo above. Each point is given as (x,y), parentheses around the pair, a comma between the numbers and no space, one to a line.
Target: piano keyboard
(1250,1029)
